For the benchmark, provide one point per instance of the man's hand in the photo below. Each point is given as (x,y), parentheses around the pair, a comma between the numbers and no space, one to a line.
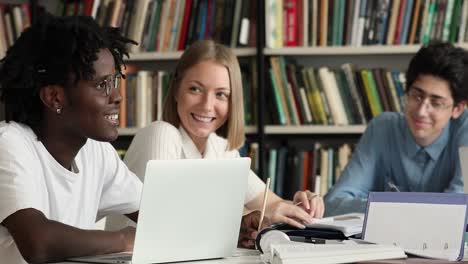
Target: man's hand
(248,230)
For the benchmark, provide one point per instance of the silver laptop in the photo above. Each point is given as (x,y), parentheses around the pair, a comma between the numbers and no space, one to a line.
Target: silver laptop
(189,210)
(463,152)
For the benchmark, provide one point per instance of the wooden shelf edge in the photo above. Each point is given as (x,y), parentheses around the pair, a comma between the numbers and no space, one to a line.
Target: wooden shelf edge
(351,50)
(314,129)
(174,55)
(131,131)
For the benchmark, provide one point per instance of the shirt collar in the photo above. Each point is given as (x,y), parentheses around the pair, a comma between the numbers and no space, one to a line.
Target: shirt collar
(433,150)
(190,149)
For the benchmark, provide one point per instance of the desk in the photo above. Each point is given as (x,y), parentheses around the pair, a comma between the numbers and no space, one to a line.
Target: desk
(256,260)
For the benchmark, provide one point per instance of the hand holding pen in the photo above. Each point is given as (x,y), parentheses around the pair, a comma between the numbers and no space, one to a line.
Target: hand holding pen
(283,211)
(310,202)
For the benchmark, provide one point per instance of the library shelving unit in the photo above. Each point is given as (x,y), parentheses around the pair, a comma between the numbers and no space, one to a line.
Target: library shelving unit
(323,36)
(365,56)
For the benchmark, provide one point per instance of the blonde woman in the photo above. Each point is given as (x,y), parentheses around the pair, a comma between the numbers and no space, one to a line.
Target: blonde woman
(203,119)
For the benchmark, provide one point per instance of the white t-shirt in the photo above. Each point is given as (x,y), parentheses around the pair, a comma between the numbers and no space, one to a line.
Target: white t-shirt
(30,177)
(161,140)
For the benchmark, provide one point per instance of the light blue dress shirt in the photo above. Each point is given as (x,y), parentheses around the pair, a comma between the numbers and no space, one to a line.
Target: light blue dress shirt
(388,158)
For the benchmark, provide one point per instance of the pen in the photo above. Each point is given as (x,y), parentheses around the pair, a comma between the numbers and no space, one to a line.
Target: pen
(309,198)
(265,197)
(393,187)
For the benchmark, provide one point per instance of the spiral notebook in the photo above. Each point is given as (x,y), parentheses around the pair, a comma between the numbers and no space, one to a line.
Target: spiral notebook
(428,225)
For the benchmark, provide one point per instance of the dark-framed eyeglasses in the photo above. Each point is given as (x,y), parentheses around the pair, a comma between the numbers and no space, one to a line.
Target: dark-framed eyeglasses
(110,82)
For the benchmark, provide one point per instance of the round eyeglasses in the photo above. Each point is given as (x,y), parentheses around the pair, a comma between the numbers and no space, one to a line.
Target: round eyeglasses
(110,82)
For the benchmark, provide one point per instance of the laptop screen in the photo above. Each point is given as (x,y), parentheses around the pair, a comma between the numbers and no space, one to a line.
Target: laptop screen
(463,152)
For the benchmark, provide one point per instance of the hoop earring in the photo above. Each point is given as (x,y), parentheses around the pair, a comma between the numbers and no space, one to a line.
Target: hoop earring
(59,111)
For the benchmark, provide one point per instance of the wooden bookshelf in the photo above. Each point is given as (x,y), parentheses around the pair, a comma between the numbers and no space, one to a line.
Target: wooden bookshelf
(131,131)
(158,56)
(314,129)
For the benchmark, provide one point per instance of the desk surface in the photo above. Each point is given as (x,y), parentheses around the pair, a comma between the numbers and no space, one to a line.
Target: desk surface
(256,260)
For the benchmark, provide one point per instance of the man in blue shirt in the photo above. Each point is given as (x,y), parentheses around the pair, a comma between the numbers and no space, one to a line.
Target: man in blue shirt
(414,151)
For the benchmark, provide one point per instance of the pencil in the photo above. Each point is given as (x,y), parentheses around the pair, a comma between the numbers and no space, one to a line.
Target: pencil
(265,198)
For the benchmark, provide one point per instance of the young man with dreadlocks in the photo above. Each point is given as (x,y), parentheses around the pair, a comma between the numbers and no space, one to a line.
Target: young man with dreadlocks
(56,178)
(58,174)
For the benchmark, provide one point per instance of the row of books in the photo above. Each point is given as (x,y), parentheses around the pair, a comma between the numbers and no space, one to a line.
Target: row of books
(13,20)
(171,25)
(316,169)
(364,22)
(345,96)
(143,93)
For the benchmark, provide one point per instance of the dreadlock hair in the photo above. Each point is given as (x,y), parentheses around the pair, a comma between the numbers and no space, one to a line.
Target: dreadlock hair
(53,51)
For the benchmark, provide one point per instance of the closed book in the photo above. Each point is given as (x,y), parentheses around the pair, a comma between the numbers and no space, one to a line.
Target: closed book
(192,24)
(292,110)
(236,23)
(290,23)
(454,24)
(429,22)
(370,79)
(382,92)
(349,71)
(361,23)
(323,36)
(185,25)
(406,22)
(415,21)
(363,94)
(304,75)
(463,22)
(333,96)
(176,25)
(394,11)
(244,26)
(137,23)
(277,75)
(281,171)
(391,87)
(291,75)
(277,98)
(399,23)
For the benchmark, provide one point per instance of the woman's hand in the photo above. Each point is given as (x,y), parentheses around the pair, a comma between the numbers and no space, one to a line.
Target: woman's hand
(283,211)
(310,202)
(305,207)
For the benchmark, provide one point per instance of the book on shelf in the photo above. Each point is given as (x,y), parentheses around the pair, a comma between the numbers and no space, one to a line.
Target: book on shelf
(171,25)
(344,96)
(314,168)
(364,22)
(14,19)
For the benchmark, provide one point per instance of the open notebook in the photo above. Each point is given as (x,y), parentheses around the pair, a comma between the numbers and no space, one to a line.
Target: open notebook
(305,253)
(348,224)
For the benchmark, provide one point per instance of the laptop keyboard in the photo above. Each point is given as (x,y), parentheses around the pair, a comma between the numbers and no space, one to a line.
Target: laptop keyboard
(122,258)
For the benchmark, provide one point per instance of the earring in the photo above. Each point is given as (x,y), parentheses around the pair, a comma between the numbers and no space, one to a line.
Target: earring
(59,110)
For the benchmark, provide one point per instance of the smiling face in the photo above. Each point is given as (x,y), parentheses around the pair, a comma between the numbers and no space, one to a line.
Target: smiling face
(429,108)
(90,112)
(203,100)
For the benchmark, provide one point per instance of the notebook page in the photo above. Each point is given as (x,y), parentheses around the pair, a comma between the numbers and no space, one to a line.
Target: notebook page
(349,224)
(432,230)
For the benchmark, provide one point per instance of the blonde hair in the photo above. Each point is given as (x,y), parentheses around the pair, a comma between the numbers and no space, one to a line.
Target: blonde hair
(233,129)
